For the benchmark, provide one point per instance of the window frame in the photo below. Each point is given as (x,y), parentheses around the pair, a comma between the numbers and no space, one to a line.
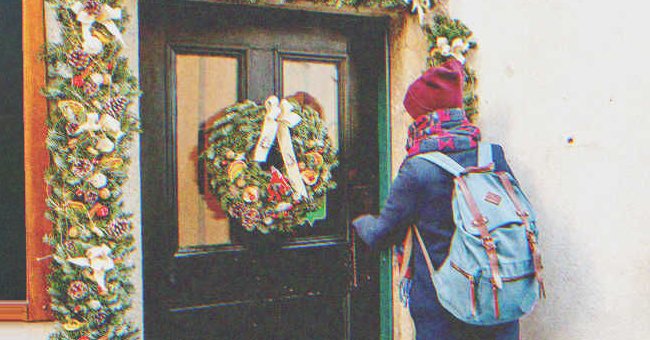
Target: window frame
(36,306)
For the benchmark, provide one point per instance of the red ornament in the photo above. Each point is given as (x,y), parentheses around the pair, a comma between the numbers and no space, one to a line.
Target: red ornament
(99,210)
(102,212)
(78,81)
(109,66)
(84,338)
(77,309)
(224,163)
(278,185)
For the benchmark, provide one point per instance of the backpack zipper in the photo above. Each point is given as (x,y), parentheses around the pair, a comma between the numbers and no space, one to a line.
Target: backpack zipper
(472,286)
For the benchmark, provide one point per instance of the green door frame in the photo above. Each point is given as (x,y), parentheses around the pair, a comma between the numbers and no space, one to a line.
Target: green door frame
(385,177)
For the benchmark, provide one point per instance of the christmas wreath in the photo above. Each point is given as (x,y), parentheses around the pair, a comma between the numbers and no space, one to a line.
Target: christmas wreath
(271,165)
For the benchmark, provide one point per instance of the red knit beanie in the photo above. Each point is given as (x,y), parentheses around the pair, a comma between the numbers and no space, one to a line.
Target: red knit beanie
(438,88)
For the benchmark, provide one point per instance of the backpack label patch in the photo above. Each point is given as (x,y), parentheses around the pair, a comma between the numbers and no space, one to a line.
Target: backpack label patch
(493,198)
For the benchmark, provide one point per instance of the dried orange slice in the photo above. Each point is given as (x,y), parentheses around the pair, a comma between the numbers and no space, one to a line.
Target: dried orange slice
(235,169)
(315,157)
(71,109)
(309,176)
(112,162)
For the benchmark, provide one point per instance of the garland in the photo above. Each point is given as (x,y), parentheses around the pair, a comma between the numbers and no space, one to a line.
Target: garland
(250,186)
(89,132)
(451,38)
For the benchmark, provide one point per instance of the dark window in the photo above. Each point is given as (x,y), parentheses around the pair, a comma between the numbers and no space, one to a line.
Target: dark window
(12,196)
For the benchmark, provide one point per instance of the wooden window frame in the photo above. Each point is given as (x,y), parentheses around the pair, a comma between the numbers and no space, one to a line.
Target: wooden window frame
(36,306)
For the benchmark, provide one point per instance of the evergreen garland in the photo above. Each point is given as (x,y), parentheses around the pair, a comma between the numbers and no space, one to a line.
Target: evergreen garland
(453,30)
(90,130)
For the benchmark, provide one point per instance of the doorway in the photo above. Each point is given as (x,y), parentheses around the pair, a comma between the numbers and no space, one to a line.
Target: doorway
(200,281)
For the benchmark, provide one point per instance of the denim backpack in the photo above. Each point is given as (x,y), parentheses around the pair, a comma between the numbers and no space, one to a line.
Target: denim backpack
(493,272)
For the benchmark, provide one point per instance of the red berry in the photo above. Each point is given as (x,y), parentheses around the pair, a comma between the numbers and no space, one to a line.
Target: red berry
(77,309)
(109,66)
(78,81)
(102,211)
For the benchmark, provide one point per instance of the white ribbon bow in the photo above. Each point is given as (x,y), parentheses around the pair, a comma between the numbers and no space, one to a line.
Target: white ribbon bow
(457,49)
(99,260)
(107,14)
(421,7)
(279,118)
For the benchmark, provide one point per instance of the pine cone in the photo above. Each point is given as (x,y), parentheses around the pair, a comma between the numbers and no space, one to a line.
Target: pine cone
(77,290)
(115,106)
(250,219)
(91,197)
(92,7)
(90,88)
(118,228)
(82,168)
(99,318)
(78,59)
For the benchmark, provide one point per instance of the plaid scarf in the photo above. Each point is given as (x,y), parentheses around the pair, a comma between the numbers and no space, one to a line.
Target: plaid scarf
(446,130)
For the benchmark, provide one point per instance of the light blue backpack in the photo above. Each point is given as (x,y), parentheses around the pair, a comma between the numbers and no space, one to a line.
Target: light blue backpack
(493,272)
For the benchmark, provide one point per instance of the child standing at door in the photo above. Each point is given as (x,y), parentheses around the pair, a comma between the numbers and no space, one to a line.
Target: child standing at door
(421,194)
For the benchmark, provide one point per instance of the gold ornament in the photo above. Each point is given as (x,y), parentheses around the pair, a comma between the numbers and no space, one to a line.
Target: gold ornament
(73,232)
(72,325)
(251,194)
(104,193)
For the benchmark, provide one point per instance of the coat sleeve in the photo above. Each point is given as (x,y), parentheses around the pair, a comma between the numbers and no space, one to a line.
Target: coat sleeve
(400,208)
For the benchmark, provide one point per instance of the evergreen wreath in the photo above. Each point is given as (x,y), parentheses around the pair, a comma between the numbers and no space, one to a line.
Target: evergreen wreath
(261,196)
(90,129)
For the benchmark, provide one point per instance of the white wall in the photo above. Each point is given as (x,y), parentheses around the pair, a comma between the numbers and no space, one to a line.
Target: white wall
(552,70)
(41,330)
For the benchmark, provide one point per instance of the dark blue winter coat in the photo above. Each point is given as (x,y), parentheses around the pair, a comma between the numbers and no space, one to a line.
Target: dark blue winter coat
(421,194)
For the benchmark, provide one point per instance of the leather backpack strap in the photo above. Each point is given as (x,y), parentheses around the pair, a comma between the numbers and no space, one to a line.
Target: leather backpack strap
(427,258)
(530,235)
(480,222)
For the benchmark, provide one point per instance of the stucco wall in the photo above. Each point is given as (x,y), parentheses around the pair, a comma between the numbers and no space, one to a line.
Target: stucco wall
(553,70)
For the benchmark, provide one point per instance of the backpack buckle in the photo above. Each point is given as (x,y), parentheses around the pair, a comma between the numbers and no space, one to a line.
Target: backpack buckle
(480,221)
(488,243)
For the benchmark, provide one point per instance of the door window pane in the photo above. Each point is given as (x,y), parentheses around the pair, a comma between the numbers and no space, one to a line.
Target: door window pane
(321,80)
(204,86)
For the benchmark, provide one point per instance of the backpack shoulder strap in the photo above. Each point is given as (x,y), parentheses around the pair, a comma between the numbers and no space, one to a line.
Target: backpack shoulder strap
(443,161)
(484,154)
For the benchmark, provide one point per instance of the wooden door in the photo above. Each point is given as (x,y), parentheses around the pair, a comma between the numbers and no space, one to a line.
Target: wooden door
(201,282)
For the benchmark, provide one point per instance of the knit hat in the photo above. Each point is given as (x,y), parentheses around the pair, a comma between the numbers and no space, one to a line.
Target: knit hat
(438,88)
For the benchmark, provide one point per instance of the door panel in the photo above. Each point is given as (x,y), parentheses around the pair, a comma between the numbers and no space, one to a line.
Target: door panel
(202,279)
